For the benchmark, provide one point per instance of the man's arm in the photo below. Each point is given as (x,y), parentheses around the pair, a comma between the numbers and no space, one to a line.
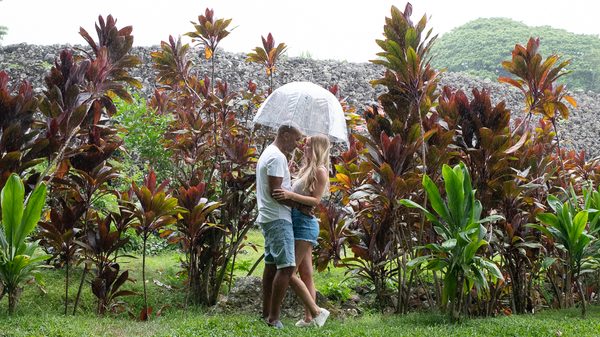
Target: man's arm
(275,183)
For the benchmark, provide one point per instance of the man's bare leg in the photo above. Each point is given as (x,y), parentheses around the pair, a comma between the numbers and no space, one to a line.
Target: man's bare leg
(281,282)
(267,283)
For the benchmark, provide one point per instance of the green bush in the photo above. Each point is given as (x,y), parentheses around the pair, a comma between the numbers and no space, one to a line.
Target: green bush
(143,131)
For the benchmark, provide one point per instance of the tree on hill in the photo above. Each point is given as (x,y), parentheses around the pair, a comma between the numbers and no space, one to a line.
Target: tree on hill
(479,47)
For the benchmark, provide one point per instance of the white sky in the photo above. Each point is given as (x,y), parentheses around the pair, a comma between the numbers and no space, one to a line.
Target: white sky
(334,29)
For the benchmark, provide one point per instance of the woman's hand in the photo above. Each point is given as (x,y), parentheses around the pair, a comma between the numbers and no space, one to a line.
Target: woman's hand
(281,194)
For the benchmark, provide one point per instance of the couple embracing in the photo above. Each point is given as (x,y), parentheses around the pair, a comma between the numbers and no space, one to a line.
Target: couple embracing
(289,228)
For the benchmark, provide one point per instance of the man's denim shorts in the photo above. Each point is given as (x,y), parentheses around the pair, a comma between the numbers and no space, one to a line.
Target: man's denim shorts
(306,227)
(279,243)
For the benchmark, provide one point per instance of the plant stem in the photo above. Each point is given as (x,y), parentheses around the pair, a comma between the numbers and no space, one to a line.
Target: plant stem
(255,264)
(85,269)
(582,295)
(145,238)
(67,285)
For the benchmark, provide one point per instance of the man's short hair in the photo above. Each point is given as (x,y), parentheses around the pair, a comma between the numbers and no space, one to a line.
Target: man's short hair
(290,128)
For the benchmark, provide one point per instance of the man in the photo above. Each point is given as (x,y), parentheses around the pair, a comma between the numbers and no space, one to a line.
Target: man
(276,223)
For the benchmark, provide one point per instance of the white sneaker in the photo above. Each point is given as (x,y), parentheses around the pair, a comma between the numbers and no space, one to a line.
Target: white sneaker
(321,317)
(304,324)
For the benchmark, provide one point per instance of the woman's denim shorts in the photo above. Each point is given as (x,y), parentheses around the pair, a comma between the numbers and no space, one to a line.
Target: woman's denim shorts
(306,227)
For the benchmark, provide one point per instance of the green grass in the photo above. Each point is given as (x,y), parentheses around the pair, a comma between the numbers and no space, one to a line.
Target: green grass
(40,312)
(195,322)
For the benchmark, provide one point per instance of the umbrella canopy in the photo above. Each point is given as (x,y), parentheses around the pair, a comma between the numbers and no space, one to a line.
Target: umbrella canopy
(311,108)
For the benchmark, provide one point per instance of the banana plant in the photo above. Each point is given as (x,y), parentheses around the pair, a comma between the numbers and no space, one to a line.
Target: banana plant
(457,222)
(566,226)
(19,219)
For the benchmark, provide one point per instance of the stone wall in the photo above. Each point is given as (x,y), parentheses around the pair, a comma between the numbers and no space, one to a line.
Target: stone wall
(581,131)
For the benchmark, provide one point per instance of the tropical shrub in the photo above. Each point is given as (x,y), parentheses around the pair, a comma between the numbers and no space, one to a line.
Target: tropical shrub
(488,145)
(268,56)
(536,80)
(79,139)
(18,152)
(142,130)
(154,211)
(100,248)
(567,227)
(405,141)
(457,222)
(213,154)
(18,258)
(59,235)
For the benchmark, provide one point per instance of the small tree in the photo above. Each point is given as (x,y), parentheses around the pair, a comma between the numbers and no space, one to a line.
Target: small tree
(154,211)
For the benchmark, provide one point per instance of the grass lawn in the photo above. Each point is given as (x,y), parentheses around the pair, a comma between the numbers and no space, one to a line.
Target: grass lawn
(39,313)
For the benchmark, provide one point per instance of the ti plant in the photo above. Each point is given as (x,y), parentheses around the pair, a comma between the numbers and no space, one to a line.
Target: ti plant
(411,80)
(488,148)
(210,32)
(17,150)
(407,132)
(334,234)
(60,233)
(211,147)
(154,211)
(101,247)
(457,222)
(191,230)
(268,56)
(568,228)
(536,80)
(18,262)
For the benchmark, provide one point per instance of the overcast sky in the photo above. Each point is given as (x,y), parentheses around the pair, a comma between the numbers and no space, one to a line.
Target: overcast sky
(335,29)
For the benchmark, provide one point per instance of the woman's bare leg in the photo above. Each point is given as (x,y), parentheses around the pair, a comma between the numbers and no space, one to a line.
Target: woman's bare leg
(310,307)
(305,269)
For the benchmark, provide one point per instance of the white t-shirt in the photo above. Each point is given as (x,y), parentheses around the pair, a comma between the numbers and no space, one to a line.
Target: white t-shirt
(272,162)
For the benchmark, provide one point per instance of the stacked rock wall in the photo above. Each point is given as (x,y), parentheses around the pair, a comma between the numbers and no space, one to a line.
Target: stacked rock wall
(581,131)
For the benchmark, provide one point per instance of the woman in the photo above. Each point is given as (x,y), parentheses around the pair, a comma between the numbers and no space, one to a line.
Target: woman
(308,188)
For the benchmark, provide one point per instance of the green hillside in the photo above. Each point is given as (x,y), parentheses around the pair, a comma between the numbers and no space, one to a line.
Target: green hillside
(479,47)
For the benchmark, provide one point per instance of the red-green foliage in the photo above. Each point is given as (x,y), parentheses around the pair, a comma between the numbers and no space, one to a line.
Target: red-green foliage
(268,56)
(17,151)
(212,149)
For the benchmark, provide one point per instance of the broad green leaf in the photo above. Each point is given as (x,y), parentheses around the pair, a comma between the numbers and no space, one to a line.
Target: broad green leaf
(579,223)
(454,195)
(412,204)
(548,219)
(435,199)
(541,228)
(13,196)
(554,203)
(547,262)
(472,249)
(449,244)
(492,268)
(416,262)
(32,213)
(491,218)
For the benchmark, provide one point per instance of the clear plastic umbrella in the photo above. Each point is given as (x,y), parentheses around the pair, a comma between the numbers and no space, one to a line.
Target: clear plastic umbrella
(307,106)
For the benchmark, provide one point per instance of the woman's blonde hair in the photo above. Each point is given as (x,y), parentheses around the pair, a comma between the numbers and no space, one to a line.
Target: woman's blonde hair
(319,156)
